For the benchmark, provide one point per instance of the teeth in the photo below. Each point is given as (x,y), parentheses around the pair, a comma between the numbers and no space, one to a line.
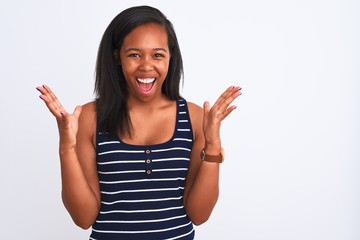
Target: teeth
(146,80)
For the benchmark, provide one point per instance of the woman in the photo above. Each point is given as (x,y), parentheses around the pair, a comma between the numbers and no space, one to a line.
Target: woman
(140,162)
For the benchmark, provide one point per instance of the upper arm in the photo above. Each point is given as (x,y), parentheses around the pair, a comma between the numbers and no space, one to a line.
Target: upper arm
(86,147)
(196,117)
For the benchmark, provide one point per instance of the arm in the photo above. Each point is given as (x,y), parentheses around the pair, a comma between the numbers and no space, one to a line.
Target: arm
(202,183)
(80,189)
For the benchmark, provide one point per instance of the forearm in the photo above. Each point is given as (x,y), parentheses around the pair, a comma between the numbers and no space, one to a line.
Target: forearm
(204,193)
(77,195)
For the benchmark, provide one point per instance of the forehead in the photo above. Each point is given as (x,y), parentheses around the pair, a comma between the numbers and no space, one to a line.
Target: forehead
(149,35)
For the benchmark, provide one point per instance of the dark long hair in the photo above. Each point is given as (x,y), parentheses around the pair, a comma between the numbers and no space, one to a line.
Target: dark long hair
(110,85)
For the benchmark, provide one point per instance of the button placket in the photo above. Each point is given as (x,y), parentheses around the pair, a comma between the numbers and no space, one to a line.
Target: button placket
(148,167)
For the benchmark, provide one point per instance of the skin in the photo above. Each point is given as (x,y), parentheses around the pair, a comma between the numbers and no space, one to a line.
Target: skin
(144,54)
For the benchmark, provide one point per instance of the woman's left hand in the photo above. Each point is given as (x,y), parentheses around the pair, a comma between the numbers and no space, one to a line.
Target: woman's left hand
(213,117)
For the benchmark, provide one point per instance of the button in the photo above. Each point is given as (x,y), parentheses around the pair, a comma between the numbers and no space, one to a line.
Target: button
(147,151)
(148,161)
(148,171)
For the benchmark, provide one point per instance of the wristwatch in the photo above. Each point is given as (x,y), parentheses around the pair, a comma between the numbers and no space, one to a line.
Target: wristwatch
(212,158)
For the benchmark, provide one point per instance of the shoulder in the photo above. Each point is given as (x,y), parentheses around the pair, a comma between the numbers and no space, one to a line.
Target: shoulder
(88,112)
(196,115)
(87,120)
(89,108)
(194,109)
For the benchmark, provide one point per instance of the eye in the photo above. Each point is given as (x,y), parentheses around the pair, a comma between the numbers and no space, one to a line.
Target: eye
(158,55)
(134,55)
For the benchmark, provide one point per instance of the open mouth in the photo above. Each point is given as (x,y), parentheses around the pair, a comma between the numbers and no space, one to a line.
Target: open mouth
(145,84)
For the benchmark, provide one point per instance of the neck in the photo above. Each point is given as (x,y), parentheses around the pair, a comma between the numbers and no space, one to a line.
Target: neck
(150,105)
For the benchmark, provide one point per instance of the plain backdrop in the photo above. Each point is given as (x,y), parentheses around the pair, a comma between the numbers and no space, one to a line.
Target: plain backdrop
(292,168)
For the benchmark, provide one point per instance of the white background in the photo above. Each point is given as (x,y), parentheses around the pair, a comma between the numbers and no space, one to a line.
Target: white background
(293,144)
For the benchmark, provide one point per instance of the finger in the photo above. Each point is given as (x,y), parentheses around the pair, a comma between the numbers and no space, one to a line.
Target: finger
(65,119)
(224,95)
(77,111)
(44,90)
(50,93)
(206,108)
(228,111)
(54,106)
(229,100)
(52,97)
(224,98)
(45,94)
(230,97)
(51,100)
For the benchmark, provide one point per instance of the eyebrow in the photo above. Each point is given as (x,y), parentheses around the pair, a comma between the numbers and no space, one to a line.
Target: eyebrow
(139,50)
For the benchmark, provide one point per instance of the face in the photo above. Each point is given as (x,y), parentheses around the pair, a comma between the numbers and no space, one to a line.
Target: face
(145,57)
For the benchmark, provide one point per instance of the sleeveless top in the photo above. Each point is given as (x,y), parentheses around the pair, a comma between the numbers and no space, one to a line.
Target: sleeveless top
(142,186)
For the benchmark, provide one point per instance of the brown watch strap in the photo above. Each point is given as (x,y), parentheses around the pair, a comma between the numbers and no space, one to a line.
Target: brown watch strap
(212,158)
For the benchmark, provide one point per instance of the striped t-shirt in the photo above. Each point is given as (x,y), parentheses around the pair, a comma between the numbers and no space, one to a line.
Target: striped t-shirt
(142,186)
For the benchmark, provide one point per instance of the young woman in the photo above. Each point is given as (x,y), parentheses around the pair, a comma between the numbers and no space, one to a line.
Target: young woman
(140,162)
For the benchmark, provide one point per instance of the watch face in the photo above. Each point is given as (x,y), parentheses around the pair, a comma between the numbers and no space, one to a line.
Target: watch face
(202,155)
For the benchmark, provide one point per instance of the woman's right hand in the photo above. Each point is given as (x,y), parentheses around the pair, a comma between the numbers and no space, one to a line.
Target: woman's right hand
(80,183)
(67,123)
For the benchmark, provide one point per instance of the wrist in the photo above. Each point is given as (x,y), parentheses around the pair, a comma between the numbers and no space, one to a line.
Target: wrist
(212,148)
(66,150)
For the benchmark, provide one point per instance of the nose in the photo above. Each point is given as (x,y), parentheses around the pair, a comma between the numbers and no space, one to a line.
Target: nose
(146,64)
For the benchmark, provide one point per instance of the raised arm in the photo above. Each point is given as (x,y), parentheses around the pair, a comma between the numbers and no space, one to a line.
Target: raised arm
(202,183)
(80,187)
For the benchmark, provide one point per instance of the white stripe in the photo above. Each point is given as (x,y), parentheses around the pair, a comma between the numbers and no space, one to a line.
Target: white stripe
(170,159)
(177,237)
(143,200)
(183,129)
(120,172)
(122,161)
(122,151)
(143,221)
(145,231)
(170,149)
(181,105)
(142,180)
(110,142)
(142,211)
(143,190)
(182,112)
(183,121)
(183,139)
(170,169)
